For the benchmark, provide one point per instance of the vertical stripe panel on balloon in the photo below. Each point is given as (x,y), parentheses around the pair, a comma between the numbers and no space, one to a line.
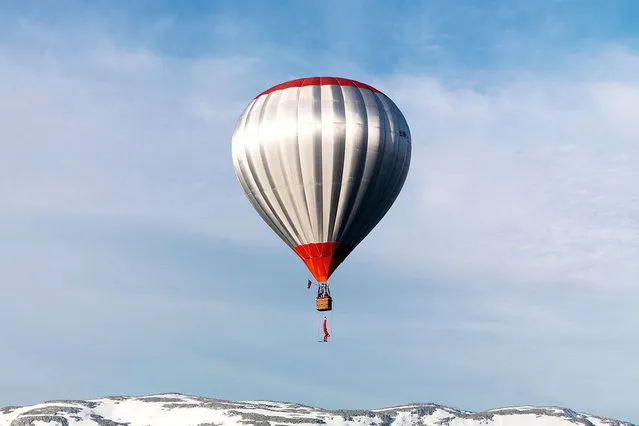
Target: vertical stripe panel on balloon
(256,167)
(246,140)
(317,178)
(289,158)
(239,163)
(384,175)
(285,117)
(373,157)
(362,226)
(237,144)
(356,143)
(303,129)
(309,132)
(271,134)
(333,146)
(401,164)
(242,142)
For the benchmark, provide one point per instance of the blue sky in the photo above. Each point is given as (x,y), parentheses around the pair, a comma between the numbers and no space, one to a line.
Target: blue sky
(505,274)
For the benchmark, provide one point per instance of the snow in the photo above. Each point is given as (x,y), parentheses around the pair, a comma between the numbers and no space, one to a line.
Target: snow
(182,410)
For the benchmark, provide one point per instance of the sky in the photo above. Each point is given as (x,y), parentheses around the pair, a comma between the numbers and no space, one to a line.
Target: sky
(505,273)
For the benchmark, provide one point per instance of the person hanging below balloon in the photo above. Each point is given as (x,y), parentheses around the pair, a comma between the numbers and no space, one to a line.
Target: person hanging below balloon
(326,335)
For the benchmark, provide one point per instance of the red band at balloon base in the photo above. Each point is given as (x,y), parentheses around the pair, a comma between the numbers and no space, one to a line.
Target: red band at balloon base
(322,259)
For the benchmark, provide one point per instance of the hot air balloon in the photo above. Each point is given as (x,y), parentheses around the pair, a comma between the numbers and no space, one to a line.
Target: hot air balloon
(322,160)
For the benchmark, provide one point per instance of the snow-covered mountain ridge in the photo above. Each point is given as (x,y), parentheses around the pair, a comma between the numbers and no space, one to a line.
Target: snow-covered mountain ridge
(183,410)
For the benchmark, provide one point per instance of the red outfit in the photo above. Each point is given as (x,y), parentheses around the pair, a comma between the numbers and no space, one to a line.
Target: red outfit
(326,335)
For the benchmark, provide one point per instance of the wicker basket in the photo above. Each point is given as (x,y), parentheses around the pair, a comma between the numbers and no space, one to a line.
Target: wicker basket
(324,303)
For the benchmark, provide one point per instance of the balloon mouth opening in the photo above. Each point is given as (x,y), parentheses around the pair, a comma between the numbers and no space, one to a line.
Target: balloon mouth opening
(322,259)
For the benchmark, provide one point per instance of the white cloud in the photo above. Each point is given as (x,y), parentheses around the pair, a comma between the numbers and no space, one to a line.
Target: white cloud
(111,131)
(531,180)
